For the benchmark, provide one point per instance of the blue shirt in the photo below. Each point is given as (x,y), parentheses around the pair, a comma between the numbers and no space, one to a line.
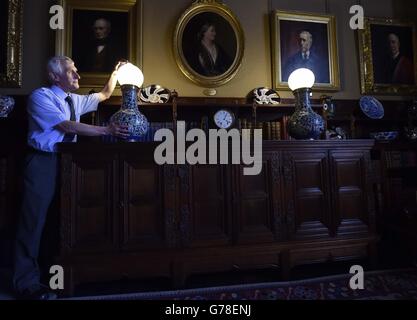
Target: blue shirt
(47,108)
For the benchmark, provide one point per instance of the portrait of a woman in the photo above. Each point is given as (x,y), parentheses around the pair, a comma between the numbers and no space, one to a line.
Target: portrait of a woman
(209,45)
(211,58)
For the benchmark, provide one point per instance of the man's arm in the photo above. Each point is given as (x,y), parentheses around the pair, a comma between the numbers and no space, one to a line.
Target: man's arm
(90,130)
(108,89)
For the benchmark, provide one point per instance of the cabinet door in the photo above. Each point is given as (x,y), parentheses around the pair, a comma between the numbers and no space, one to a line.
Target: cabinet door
(88,205)
(306,194)
(204,208)
(256,202)
(351,201)
(147,218)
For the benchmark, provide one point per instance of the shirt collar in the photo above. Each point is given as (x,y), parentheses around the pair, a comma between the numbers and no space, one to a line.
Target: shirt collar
(59,92)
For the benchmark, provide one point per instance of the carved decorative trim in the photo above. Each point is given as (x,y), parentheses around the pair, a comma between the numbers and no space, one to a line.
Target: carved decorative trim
(169,176)
(171,228)
(3,174)
(185,225)
(276,175)
(184,174)
(275,167)
(370,181)
(207,1)
(12,75)
(291,215)
(66,210)
(288,168)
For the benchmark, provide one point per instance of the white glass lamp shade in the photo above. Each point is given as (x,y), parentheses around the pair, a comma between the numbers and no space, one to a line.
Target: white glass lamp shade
(130,74)
(301,78)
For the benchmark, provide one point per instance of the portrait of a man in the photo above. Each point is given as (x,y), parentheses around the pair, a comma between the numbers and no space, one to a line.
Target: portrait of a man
(304,45)
(209,44)
(99,39)
(392,51)
(305,40)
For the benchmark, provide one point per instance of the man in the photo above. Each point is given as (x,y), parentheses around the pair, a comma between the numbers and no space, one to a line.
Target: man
(102,53)
(306,58)
(53,115)
(400,68)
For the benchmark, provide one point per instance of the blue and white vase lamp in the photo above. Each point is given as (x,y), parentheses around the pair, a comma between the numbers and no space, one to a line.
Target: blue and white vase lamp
(304,123)
(130,79)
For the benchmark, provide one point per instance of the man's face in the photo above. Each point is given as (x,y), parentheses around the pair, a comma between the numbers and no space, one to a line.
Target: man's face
(394,44)
(101,29)
(68,80)
(305,42)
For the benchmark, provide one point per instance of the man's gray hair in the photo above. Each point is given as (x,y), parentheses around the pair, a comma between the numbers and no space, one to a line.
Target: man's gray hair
(309,35)
(55,66)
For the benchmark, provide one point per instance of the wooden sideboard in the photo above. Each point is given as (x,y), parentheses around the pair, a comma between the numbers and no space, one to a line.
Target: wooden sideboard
(122,215)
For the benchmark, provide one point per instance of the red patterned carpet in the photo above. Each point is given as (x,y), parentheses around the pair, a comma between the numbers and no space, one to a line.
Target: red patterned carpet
(378,285)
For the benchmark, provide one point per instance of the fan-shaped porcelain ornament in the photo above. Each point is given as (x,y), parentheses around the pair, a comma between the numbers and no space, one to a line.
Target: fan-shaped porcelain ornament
(263,95)
(154,94)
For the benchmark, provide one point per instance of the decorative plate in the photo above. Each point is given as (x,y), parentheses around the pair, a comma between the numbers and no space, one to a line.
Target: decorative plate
(264,95)
(384,135)
(6,105)
(371,107)
(154,94)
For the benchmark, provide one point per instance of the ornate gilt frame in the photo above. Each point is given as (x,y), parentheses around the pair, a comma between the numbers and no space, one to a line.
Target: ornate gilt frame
(368,85)
(63,45)
(200,6)
(12,76)
(330,21)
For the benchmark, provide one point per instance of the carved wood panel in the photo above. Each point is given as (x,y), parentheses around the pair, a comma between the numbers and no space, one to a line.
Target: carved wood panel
(256,202)
(142,203)
(349,192)
(306,196)
(94,197)
(205,217)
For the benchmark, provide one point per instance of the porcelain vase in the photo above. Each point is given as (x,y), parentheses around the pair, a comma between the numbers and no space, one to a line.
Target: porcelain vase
(129,115)
(304,123)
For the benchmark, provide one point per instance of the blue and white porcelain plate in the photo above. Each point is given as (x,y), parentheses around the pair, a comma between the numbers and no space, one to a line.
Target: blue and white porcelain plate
(371,107)
(6,105)
(384,135)
(154,94)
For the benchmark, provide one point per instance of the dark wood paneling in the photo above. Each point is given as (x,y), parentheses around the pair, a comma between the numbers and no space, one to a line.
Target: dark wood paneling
(205,217)
(306,194)
(349,192)
(257,214)
(142,203)
(93,203)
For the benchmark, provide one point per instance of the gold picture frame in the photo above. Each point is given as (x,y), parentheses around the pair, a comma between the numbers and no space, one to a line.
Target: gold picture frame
(11,24)
(202,18)
(82,38)
(378,42)
(322,57)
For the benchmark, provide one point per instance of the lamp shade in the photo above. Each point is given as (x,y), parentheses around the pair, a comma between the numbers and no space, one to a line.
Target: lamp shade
(130,74)
(301,78)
